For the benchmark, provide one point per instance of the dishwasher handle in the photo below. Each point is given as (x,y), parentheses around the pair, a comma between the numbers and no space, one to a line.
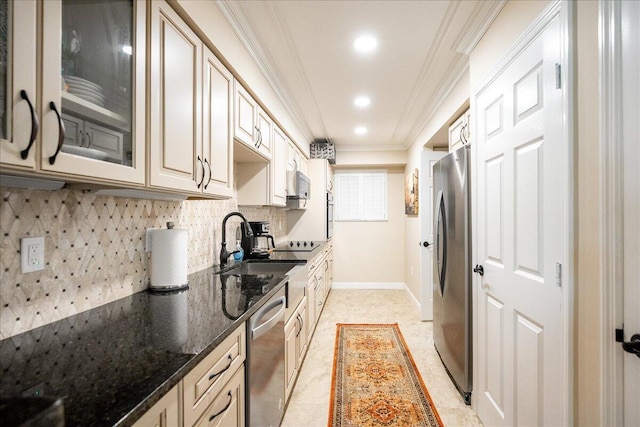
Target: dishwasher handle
(258,331)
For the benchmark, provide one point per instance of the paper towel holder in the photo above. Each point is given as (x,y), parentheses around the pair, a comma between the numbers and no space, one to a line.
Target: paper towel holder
(159,281)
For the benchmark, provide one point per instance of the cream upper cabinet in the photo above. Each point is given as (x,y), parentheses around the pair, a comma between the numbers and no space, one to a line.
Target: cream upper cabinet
(93,74)
(264,129)
(459,132)
(217,135)
(252,125)
(19,124)
(246,108)
(279,167)
(295,159)
(175,109)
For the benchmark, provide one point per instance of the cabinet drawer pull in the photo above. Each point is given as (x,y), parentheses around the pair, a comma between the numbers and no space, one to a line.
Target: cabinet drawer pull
(223,409)
(212,376)
(35,125)
(201,164)
(209,180)
(61,132)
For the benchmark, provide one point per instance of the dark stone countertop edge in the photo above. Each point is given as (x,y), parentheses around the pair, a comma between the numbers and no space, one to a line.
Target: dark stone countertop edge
(140,409)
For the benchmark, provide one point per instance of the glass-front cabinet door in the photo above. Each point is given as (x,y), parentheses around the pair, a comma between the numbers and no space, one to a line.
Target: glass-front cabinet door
(18,116)
(93,83)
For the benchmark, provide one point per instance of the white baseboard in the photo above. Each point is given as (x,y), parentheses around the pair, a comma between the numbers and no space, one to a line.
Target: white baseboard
(368,285)
(412,297)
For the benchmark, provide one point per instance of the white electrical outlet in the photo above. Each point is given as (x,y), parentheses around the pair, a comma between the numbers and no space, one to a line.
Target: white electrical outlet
(147,243)
(32,254)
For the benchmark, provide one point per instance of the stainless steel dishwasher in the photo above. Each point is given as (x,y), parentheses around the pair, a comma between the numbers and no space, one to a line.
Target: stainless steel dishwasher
(265,353)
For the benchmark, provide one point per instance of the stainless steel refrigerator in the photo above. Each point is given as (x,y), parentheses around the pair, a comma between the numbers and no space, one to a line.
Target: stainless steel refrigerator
(452,267)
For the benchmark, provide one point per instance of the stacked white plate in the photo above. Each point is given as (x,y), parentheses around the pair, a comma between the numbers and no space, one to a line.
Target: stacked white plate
(85,89)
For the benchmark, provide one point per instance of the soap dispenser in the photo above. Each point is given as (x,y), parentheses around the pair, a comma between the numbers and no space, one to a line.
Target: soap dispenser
(238,252)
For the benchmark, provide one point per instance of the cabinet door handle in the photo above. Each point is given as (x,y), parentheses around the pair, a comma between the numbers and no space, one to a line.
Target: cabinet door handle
(223,409)
(201,164)
(61,132)
(89,140)
(259,140)
(81,144)
(35,125)
(295,165)
(209,180)
(212,376)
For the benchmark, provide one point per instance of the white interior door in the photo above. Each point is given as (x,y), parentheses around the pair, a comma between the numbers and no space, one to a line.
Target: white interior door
(630,48)
(521,166)
(428,158)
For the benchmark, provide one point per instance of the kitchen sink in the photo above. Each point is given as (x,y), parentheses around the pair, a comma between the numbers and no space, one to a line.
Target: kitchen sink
(275,268)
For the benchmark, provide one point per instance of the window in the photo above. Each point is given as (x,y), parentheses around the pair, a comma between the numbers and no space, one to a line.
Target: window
(361,195)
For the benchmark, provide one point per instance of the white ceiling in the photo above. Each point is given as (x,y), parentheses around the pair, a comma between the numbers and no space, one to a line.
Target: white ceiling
(305,49)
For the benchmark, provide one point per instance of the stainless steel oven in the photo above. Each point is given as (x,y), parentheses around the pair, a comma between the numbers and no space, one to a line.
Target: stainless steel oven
(329,215)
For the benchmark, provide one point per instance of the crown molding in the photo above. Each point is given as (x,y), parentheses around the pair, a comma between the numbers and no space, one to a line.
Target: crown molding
(481,19)
(241,26)
(425,72)
(452,77)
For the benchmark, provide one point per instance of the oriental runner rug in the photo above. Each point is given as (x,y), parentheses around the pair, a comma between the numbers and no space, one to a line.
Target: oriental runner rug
(375,381)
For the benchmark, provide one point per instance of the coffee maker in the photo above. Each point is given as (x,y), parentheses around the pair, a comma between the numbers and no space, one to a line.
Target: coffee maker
(258,246)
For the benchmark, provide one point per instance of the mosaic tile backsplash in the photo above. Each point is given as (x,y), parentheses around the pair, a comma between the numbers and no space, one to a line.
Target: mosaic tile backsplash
(94,248)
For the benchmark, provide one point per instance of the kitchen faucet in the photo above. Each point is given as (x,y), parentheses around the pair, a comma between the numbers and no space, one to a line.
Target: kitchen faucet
(246,237)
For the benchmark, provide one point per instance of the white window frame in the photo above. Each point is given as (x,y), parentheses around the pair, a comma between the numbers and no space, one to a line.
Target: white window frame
(361,173)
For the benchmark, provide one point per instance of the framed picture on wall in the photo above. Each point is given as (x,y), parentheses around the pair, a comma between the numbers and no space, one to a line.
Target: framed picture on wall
(411,193)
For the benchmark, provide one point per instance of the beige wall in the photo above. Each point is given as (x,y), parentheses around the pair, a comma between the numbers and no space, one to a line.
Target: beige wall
(587,216)
(446,114)
(373,251)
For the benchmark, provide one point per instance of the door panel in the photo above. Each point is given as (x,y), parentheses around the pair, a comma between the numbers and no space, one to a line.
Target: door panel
(494,206)
(528,370)
(528,205)
(494,367)
(520,240)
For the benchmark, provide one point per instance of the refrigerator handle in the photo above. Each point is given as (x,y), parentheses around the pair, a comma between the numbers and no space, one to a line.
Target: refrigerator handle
(441,242)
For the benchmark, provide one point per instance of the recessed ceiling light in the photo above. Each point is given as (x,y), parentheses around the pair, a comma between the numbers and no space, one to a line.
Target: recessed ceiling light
(365,44)
(362,101)
(360,130)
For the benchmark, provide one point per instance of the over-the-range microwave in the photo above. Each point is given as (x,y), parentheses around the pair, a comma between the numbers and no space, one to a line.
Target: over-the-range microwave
(298,189)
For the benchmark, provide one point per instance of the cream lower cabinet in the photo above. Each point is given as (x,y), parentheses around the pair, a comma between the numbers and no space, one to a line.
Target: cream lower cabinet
(296,336)
(165,412)
(190,111)
(227,409)
(211,394)
(205,388)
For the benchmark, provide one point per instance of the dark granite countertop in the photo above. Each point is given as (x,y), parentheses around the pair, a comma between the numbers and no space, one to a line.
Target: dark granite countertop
(112,363)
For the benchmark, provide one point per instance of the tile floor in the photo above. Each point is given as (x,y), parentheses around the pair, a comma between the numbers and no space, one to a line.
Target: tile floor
(309,403)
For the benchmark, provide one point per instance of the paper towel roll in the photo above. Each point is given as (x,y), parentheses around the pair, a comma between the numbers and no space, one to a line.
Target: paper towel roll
(169,259)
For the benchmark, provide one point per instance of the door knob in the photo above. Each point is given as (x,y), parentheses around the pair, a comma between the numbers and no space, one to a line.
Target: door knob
(479,269)
(632,346)
(425,244)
